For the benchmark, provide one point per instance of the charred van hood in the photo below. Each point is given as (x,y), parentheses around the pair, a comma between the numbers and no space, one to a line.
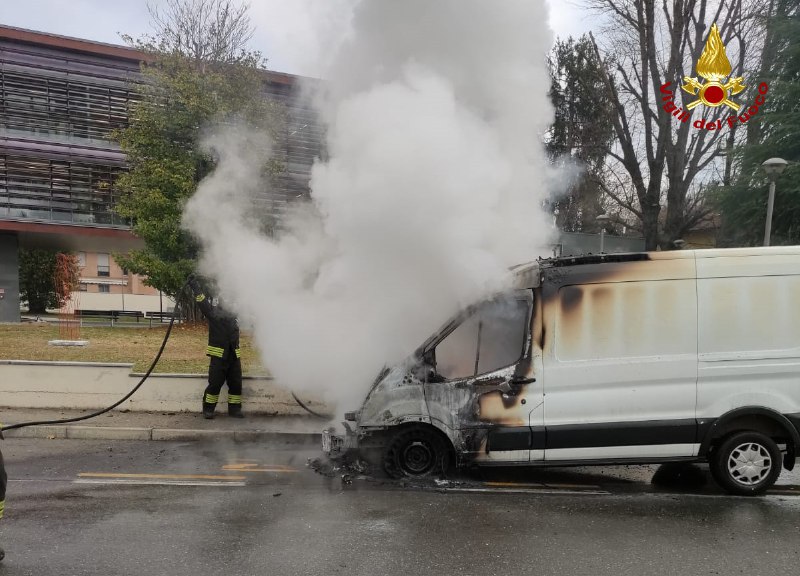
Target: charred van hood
(396,396)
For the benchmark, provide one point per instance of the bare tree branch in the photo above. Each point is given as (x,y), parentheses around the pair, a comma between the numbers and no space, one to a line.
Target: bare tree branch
(213,31)
(654,42)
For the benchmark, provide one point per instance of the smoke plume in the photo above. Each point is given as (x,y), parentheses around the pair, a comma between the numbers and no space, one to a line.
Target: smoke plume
(432,187)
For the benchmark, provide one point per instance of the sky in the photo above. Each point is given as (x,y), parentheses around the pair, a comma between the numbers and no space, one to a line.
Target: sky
(279,23)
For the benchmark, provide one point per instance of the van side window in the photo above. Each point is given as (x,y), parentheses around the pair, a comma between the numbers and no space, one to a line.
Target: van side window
(492,338)
(502,334)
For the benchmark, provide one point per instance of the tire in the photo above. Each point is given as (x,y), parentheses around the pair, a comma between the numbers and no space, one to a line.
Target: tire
(416,452)
(746,463)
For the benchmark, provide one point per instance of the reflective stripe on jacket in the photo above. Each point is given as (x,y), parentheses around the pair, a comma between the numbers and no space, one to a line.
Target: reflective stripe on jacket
(220,352)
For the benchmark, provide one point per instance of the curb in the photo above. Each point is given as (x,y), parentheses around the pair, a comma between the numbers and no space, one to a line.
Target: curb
(159,434)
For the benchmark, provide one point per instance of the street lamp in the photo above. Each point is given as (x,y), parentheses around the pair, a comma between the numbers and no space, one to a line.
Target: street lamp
(773,167)
(602,220)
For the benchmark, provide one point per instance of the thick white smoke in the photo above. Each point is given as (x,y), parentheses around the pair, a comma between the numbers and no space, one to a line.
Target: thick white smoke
(433,186)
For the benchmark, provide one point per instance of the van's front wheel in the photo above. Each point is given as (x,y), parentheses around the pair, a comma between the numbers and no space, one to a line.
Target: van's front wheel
(747,463)
(416,451)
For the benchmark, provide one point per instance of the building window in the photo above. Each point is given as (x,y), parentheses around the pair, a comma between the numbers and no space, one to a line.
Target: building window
(62,106)
(104,288)
(82,259)
(103,268)
(82,287)
(55,190)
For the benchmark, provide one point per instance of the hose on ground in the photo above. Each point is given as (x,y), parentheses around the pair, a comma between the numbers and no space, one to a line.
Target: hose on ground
(118,402)
(307,409)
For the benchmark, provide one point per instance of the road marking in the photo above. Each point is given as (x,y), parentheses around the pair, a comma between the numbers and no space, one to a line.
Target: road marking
(542,485)
(529,491)
(513,485)
(277,468)
(783,491)
(120,476)
(770,495)
(145,482)
(573,486)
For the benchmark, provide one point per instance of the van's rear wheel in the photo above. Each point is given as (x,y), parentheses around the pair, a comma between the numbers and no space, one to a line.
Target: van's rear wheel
(746,463)
(416,452)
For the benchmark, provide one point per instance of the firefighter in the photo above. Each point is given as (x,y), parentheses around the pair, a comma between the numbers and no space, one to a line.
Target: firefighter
(225,356)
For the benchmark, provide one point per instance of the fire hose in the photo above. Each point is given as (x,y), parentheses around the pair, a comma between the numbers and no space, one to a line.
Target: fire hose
(118,402)
(134,389)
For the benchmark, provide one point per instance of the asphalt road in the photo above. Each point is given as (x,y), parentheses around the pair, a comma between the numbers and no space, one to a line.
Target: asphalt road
(153,508)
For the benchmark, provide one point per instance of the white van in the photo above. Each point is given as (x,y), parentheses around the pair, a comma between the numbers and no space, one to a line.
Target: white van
(613,359)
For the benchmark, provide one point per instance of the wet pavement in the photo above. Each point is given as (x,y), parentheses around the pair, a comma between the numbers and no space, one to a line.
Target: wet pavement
(114,507)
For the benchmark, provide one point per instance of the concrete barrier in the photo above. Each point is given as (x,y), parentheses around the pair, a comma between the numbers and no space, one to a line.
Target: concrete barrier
(88,386)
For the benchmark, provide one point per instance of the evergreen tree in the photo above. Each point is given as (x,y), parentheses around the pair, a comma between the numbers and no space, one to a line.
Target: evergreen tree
(743,205)
(581,132)
(37,279)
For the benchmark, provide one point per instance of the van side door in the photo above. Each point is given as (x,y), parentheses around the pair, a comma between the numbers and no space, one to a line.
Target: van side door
(621,360)
(481,385)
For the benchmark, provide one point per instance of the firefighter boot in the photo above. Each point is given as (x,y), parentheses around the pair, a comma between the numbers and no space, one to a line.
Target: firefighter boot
(235,411)
(208,411)
(209,404)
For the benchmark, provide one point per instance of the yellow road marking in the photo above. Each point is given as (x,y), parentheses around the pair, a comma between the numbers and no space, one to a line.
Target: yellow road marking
(160,476)
(513,485)
(255,468)
(783,490)
(542,485)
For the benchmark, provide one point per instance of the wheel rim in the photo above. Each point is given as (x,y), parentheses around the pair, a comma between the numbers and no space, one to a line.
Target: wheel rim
(749,464)
(418,457)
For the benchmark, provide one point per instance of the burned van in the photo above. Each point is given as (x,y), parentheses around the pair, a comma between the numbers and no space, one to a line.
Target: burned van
(633,358)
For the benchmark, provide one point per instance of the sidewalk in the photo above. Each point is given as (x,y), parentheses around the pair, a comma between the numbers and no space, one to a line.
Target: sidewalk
(163,426)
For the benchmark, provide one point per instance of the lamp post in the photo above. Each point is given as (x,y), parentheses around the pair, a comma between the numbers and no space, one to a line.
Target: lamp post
(602,220)
(773,167)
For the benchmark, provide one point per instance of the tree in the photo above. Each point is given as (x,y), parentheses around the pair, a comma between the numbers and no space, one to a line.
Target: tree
(204,30)
(37,274)
(657,159)
(198,77)
(581,133)
(776,133)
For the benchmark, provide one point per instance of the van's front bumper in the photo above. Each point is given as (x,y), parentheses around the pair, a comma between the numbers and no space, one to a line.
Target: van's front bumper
(335,444)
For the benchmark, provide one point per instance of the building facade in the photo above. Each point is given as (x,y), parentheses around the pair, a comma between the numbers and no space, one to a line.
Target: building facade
(60,101)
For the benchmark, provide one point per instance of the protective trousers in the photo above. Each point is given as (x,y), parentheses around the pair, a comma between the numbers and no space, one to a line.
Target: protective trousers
(221,370)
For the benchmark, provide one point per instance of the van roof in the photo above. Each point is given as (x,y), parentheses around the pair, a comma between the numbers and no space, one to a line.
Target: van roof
(526,275)
(667,255)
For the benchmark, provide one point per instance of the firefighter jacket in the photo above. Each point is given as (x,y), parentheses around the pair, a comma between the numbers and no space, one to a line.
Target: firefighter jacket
(223,330)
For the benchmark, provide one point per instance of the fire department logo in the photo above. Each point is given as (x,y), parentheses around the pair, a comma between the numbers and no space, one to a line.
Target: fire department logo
(714,66)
